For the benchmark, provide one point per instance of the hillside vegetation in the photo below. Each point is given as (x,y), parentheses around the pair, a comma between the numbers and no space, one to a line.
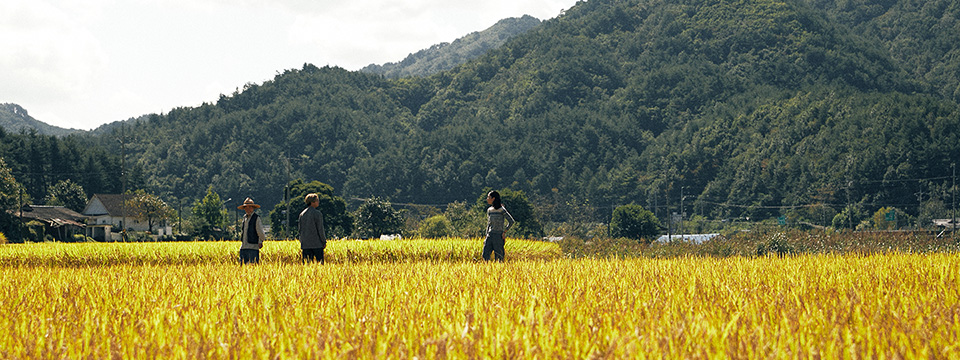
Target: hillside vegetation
(446,56)
(751,108)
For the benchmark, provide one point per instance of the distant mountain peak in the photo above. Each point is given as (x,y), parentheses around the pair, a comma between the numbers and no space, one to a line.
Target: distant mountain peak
(14,118)
(19,110)
(446,56)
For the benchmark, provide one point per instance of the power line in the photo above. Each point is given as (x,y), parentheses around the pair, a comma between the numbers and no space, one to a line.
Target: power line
(401,204)
(780,207)
(783,207)
(900,180)
(58,174)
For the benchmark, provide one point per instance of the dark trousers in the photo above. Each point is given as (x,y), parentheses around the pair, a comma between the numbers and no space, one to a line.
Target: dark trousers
(493,243)
(249,256)
(313,255)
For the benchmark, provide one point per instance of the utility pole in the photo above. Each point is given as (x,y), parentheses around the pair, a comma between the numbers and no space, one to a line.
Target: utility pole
(123,183)
(849,189)
(656,202)
(288,189)
(919,207)
(20,208)
(849,208)
(669,216)
(179,216)
(681,212)
(953,198)
(237,226)
(286,197)
(226,219)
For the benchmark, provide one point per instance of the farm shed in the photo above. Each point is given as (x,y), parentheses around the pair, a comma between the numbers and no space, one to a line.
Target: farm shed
(58,221)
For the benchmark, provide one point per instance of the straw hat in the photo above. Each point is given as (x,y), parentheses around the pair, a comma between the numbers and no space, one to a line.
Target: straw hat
(248,202)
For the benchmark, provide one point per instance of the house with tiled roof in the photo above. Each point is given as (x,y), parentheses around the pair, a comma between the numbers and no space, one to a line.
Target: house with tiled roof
(57,221)
(107,209)
(106,214)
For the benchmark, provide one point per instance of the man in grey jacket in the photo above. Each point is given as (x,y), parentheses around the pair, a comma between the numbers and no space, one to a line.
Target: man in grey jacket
(313,239)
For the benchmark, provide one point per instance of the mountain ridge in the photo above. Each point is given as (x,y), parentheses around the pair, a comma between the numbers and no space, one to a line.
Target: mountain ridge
(14,118)
(445,56)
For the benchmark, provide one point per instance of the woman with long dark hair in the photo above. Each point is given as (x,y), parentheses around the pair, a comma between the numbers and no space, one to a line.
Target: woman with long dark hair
(496,231)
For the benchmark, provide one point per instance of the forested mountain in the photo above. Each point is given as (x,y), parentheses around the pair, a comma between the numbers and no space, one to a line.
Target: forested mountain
(746,108)
(14,118)
(446,56)
(920,36)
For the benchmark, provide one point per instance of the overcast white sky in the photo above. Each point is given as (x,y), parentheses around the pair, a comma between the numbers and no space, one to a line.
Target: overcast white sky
(82,63)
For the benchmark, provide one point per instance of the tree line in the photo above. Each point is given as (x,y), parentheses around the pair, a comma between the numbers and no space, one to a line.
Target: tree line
(40,162)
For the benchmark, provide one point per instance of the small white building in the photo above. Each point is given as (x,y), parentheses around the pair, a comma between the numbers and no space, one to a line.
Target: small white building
(690,238)
(107,212)
(945,223)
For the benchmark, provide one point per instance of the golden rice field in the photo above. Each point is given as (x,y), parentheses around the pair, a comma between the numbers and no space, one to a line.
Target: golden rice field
(138,303)
(226,252)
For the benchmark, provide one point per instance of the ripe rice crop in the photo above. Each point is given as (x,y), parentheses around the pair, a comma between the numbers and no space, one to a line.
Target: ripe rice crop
(760,242)
(834,306)
(225,252)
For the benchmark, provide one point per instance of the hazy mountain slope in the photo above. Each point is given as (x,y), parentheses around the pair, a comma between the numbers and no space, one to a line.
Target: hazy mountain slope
(446,56)
(14,118)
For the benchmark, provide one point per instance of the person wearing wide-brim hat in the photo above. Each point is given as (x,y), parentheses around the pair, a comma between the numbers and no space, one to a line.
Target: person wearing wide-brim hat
(252,236)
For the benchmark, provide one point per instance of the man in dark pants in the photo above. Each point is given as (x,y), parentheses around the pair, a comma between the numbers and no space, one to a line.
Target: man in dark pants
(252,236)
(313,239)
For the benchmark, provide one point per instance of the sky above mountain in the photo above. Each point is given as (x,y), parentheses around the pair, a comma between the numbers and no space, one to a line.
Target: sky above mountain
(83,63)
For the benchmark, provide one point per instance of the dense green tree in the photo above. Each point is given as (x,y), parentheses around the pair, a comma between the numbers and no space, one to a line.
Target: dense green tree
(42,161)
(336,219)
(437,226)
(10,191)
(35,181)
(68,194)
(9,188)
(930,210)
(210,216)
(467,221)
(148,207)
(377,217)
(634,222)
(889,218)
(849,218)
